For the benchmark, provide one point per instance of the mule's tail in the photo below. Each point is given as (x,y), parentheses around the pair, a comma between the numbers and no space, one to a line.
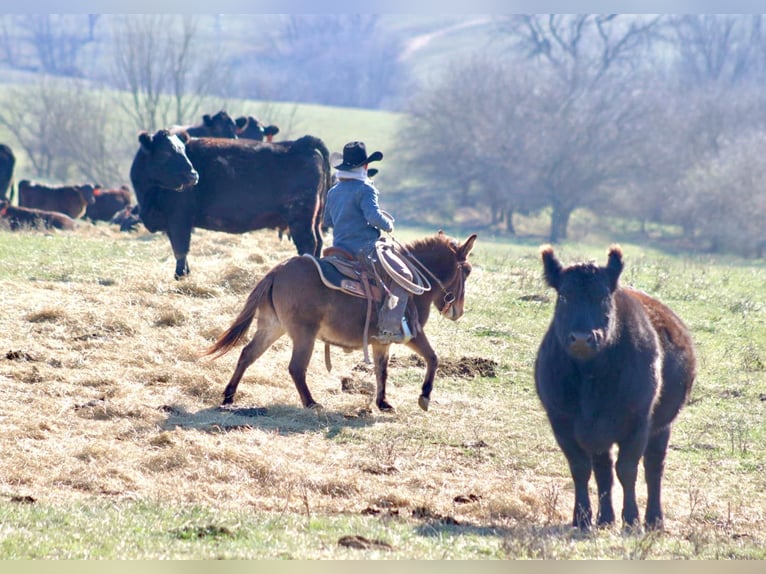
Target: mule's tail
(239,328)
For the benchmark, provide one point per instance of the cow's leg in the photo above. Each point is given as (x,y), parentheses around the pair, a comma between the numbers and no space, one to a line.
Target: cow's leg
(179,231)
(422,347)
(267,332)
(603,471)
(631,450)
(580,466)
(380,358)
(302,232)
(654,467)
(303,346)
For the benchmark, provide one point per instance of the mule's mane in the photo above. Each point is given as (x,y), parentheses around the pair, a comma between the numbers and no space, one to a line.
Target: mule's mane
(437,252)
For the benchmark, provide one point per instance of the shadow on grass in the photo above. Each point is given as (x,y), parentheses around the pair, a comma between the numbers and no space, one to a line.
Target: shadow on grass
(441,528)
(283,419)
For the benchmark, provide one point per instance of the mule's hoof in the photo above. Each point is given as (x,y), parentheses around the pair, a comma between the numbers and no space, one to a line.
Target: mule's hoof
(384,407)
(423,402)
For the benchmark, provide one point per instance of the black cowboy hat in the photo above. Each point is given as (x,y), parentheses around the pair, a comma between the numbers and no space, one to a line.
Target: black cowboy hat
(355,155)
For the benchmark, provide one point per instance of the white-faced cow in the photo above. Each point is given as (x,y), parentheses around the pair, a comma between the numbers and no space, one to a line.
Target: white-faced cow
(615,367)
(231,186)
(220,125)
(71,200)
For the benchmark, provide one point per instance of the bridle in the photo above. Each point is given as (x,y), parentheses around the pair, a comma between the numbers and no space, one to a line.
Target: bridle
(450,293)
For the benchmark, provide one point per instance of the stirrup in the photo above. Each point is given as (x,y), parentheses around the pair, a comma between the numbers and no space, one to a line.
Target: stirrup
(386,336)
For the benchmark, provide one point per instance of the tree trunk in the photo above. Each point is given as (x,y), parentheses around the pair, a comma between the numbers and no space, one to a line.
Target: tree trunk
(509,221)
(559,223)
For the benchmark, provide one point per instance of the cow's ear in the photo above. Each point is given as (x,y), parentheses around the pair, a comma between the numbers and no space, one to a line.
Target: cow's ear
(551,266)
(207,120)
(145,140)
(614,266)
(241,122)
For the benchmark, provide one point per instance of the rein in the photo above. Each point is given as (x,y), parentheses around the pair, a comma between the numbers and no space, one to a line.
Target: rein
(449,295)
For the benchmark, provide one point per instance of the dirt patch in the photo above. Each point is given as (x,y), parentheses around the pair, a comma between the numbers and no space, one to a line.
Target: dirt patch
(462,368)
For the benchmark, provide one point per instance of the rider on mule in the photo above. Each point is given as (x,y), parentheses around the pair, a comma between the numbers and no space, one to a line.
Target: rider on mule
(353,212)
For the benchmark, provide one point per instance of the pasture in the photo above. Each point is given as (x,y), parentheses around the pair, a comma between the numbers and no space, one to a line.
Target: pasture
(114,447)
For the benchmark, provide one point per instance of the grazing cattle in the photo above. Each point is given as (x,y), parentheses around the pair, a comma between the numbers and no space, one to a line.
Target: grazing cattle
(18,217)
(218,126)
(615,367)
(251,128)
(107,203)
(72,200)
(7,163)
(230,186)
(127,218)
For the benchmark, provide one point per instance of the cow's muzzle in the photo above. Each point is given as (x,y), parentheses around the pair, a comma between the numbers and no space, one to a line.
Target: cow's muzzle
(584,344)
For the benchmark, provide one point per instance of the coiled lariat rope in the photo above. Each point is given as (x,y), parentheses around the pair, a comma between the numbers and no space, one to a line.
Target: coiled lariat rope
(419,283)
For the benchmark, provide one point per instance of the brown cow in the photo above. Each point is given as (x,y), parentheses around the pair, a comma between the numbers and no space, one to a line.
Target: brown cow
(218,126)
(19,217)
(108,203)
(72,200)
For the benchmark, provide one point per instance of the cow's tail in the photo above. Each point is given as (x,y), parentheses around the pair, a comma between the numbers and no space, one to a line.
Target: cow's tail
(239,328)
(12,188)
(311,143)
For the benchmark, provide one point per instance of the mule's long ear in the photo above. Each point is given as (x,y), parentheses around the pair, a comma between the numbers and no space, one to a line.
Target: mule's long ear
(466,247)
(551,266)
(614,266)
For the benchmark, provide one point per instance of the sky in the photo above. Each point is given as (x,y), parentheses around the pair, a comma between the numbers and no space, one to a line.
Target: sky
(380,6)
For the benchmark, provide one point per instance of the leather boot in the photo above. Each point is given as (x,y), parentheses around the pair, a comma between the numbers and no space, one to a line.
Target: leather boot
(392,326)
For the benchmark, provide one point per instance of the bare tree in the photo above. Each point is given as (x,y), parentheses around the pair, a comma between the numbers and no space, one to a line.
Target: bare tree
(335,59)
(567,123)
(593,112)
(67,130)
(473,141)
(718,48)
(168,75)
(50,43)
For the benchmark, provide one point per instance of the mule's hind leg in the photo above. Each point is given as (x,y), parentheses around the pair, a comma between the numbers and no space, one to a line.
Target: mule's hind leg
(303,347)
(267,332)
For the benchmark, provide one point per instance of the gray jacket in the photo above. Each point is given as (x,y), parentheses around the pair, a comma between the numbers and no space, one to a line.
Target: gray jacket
(352,211)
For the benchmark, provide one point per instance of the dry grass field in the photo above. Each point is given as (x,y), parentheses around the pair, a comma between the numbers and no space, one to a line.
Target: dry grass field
(106,403)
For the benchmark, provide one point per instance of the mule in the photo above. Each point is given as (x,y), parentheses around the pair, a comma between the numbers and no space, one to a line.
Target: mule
(292,299)
(615,367)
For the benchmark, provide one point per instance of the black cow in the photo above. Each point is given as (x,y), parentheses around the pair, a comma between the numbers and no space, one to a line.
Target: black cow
(251,128)
(7,163)
(230,185)
(615,366)
(127,218)
(218,126)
